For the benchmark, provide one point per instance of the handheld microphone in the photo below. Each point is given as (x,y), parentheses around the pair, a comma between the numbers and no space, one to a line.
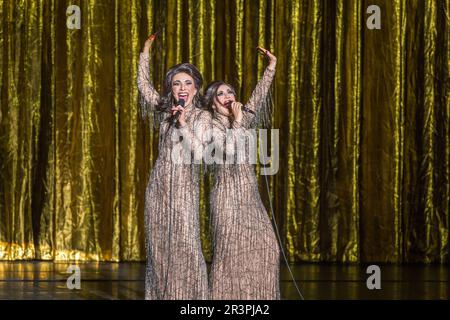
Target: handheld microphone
(181,103)
(244,108)
(248,110)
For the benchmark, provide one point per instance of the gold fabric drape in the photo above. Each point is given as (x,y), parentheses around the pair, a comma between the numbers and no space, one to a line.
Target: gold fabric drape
(363,118)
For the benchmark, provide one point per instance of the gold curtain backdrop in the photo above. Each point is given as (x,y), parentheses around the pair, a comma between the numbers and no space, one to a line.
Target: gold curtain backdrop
(363,118)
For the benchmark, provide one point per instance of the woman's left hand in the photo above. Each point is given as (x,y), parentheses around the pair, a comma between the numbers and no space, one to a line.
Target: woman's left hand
(269,55)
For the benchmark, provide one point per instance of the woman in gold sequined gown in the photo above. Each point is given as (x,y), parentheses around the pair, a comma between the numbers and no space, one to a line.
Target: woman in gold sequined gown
(175,268)
(245,249)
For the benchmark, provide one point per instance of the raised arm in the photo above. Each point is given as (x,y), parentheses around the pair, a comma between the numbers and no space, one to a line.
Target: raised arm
(261,90)
(150,97)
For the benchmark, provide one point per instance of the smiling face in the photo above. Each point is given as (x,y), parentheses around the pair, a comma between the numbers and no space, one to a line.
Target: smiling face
(183,87)
(225,95)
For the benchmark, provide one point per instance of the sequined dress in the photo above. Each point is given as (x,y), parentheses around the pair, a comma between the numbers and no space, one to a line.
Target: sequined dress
(175,268)
(245,249)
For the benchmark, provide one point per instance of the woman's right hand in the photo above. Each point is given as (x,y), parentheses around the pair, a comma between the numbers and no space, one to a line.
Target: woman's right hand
(148,42)
(182,118)
(236,110)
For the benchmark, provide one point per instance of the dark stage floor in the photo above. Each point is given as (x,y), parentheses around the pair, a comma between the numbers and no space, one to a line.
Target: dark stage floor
(47,280)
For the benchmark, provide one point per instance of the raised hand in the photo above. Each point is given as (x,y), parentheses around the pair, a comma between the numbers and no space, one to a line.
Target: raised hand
(269,55)
(149,41)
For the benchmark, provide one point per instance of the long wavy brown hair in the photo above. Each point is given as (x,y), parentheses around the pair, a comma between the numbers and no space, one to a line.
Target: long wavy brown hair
(211,92)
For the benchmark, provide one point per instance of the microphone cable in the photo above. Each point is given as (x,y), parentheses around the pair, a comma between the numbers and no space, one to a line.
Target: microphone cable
(278,233)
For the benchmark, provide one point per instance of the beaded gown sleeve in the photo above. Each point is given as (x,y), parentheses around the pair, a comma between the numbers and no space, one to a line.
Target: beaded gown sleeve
(149,98)
(260,102)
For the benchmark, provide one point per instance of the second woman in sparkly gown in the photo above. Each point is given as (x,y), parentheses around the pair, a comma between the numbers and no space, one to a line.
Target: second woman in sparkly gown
(176,268)
(245,249)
